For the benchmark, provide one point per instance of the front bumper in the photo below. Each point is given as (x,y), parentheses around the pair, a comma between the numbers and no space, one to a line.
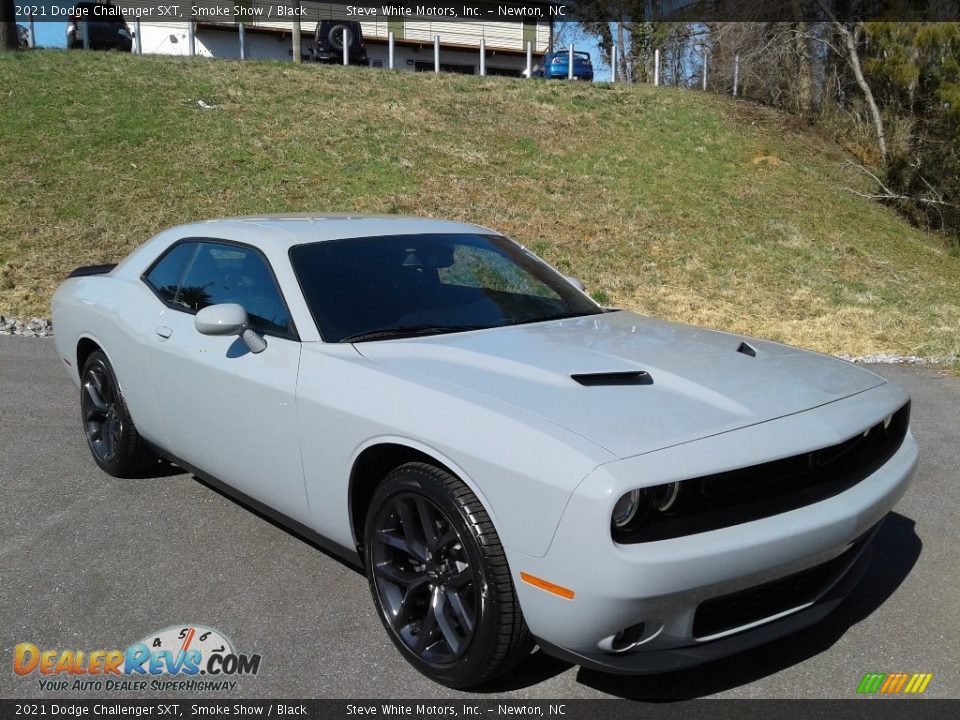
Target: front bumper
(704,596)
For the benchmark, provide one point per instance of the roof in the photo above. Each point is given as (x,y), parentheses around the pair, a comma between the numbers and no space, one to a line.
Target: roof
(286,230)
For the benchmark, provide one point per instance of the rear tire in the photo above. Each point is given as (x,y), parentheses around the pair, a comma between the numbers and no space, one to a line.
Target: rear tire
(440,580)
(335,37)
(112,437)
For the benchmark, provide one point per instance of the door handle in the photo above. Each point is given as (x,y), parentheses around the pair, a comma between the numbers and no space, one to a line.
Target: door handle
(163,331)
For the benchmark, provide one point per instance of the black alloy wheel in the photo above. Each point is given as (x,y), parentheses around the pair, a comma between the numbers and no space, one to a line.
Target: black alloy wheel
(440,580)
(111,435)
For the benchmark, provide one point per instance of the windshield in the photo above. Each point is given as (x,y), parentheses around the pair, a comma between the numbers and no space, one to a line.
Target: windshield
(387,287)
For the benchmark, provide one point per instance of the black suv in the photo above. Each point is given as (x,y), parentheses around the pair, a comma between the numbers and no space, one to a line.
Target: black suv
(328,42)
(106,27)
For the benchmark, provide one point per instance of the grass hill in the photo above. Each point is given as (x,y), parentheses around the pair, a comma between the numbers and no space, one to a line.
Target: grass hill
(673,203)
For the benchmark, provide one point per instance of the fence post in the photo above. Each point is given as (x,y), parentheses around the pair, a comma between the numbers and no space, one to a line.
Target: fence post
(656,67)
(483,56)
(736,74)
(243,41)
(191,39)
(529,59)
(704,69)
(436,53)
(33,32)
(138,40)
(570,63)
(85,34)
(346,46)
(613,63)
(297,46)
(390,51)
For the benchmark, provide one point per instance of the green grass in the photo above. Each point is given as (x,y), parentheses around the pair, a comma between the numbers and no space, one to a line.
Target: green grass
(673,203)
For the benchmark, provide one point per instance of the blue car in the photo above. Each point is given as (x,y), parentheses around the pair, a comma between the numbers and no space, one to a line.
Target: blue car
(556,65)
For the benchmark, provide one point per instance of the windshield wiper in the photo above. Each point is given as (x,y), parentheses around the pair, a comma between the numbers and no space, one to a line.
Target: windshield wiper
(402,331)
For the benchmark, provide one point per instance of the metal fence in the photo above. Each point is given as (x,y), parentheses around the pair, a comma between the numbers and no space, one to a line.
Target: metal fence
(437,65)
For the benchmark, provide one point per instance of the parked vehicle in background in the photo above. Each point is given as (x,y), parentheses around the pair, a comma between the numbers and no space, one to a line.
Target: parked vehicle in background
(556,65)
(329,38)
(106,27)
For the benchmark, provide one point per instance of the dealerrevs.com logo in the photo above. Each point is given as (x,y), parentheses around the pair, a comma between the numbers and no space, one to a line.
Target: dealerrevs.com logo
(188,658)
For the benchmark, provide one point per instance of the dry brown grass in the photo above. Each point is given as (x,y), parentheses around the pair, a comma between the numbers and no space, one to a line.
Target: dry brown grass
(673,203)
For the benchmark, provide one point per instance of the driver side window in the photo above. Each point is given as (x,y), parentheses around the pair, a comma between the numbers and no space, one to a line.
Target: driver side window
(193,275)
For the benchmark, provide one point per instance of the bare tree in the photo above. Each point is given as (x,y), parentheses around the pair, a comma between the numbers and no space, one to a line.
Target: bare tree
(849,39)
(8,25)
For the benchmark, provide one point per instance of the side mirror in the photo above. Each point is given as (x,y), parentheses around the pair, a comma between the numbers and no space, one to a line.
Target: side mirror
(229,319)
(576,282)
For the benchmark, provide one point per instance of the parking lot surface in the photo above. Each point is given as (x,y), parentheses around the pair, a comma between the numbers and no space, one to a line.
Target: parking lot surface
(90,562)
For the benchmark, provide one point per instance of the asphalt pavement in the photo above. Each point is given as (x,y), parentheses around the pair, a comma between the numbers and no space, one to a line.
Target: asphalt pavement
(94,563)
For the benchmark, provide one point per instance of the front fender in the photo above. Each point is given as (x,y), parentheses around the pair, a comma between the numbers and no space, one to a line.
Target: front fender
(522,468)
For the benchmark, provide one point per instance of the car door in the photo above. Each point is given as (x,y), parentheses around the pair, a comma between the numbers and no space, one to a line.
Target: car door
(225,410)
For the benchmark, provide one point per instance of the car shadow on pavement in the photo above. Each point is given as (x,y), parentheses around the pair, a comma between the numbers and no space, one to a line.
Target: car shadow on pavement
(536,669)
(287,525)
(896,549)
(159,468)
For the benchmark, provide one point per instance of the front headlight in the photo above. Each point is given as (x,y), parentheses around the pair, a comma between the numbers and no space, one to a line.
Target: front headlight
(626,508)
(635,507)
(666,497)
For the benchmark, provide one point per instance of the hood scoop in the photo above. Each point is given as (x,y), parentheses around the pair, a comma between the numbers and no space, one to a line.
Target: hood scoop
(634,377)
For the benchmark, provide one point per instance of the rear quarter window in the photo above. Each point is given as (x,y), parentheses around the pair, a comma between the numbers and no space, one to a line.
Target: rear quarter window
(167,273)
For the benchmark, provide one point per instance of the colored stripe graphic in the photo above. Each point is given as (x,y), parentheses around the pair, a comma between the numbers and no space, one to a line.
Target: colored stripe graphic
(871,682)
(920,682)
(894,683)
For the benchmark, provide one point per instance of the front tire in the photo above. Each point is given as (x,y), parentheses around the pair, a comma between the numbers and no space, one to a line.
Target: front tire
(440,580)
(112,437)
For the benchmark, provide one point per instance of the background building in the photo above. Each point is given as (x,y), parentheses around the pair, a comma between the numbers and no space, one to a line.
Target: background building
(506,42)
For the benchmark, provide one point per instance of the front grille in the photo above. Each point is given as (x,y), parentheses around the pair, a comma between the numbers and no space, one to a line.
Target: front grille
(743,607)
(759,491)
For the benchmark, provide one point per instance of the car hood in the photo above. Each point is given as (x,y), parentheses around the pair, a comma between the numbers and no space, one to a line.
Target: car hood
(701,382)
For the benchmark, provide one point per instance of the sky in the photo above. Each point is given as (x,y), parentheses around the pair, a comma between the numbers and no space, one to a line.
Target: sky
(50,34)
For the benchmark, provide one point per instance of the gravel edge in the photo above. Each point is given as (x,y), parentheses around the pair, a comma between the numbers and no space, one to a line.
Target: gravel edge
(34,327)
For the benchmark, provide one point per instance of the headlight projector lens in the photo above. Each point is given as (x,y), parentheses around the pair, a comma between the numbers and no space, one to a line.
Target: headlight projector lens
(626,508)
(665,499)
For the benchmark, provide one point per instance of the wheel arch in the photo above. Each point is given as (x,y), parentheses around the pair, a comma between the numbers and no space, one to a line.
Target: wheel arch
(374,461)
(86,345)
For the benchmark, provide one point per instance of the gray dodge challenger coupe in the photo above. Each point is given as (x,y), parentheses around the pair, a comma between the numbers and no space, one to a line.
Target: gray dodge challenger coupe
(512,464)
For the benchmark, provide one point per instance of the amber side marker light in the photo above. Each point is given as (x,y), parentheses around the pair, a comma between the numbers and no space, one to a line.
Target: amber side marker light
(550,587)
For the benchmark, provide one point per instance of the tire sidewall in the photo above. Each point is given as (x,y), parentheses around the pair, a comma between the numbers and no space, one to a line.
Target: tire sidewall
(335,37)
(117,465)
(469,667)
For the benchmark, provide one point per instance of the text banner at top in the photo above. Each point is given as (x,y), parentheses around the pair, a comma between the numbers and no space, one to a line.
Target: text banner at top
(486,11)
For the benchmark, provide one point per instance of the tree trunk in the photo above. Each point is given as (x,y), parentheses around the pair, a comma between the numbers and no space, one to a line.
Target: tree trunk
(8,25)
(804,92)
(622,71)
(853,59)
